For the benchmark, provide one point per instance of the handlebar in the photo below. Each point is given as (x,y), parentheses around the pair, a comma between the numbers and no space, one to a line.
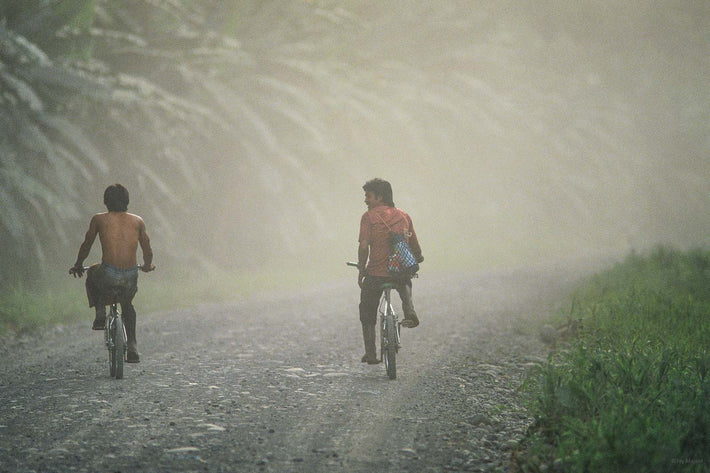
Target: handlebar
(86,268)
(76,272)
(352,263)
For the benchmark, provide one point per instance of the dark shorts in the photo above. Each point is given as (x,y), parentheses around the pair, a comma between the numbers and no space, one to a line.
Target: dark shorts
(101,277)
(372,291)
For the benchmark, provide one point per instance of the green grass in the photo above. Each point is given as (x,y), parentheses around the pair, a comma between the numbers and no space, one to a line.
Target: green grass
(632,392)
(62,299)
(23,310)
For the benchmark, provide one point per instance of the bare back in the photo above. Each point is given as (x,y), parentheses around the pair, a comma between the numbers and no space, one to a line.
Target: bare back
(120,233)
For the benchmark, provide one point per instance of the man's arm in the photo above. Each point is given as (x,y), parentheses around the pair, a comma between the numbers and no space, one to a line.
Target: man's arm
(363,252)
(144,241)
(85,248)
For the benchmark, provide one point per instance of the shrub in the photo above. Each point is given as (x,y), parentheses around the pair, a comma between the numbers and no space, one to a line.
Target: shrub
(631,392)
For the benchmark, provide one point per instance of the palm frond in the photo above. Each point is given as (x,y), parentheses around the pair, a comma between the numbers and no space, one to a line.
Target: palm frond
(15,49)
(22,93)
(77,144)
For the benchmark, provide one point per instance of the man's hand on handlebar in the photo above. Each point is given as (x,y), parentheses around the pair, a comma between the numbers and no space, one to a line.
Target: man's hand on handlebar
(77,270)
(361,271)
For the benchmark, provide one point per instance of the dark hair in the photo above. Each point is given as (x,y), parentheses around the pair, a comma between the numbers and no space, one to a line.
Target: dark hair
(116,198)
(380,188)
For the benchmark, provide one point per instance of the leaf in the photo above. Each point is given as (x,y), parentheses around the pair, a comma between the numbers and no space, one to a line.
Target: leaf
(73,136)
(22,91)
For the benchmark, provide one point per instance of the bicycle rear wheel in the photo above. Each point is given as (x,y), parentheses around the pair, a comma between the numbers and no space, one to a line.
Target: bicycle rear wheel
(117,347)
(389,345)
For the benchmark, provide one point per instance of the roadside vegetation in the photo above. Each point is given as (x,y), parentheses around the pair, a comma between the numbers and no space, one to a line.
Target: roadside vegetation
(24,309)
(630,392)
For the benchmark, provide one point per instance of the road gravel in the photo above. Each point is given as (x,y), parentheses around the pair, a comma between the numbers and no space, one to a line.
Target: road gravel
(275,384)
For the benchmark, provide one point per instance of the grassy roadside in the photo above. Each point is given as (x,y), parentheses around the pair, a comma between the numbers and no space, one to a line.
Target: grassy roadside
(631,391)
(63,299)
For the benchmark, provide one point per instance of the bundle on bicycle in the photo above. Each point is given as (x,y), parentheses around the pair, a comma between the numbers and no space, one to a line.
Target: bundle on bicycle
(115,280)
(388,258)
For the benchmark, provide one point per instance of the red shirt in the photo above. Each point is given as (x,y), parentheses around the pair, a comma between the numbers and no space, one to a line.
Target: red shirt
(374,229)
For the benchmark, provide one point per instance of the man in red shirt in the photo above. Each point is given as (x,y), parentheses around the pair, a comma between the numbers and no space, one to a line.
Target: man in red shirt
(373,252)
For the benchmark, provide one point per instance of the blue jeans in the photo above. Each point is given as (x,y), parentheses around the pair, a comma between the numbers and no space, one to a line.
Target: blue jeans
(101,277)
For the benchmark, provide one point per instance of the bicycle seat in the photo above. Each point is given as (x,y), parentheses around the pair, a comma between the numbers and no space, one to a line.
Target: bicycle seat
(389,285)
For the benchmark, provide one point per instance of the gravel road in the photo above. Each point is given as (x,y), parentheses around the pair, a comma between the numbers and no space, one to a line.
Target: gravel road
(275,384)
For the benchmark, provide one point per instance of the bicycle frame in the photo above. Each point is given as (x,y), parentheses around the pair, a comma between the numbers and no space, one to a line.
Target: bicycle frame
(387,312)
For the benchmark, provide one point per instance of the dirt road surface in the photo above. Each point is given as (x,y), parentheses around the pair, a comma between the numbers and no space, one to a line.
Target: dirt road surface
(275,384)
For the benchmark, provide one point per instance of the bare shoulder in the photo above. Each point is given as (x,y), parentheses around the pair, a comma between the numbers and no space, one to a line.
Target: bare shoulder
(99,219)
(137,219)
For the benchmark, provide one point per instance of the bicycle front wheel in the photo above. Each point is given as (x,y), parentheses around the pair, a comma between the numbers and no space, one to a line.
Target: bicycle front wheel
(117,348)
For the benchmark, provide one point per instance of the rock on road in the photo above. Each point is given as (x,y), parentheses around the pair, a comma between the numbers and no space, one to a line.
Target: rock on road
(275,384)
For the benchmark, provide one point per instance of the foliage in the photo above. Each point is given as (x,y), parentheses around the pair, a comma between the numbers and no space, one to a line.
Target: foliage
(631,393)
(230,121)
(25,309)
(49,145)
(151,94)
(43,153)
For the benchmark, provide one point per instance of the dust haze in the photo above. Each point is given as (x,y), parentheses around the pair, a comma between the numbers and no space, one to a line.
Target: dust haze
(511,132)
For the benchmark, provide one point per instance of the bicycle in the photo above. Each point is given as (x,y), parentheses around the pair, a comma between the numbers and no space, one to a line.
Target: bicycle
(115,332)
(390,340)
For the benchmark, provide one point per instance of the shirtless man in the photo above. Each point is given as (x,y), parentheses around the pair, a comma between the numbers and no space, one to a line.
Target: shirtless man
(120,233)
